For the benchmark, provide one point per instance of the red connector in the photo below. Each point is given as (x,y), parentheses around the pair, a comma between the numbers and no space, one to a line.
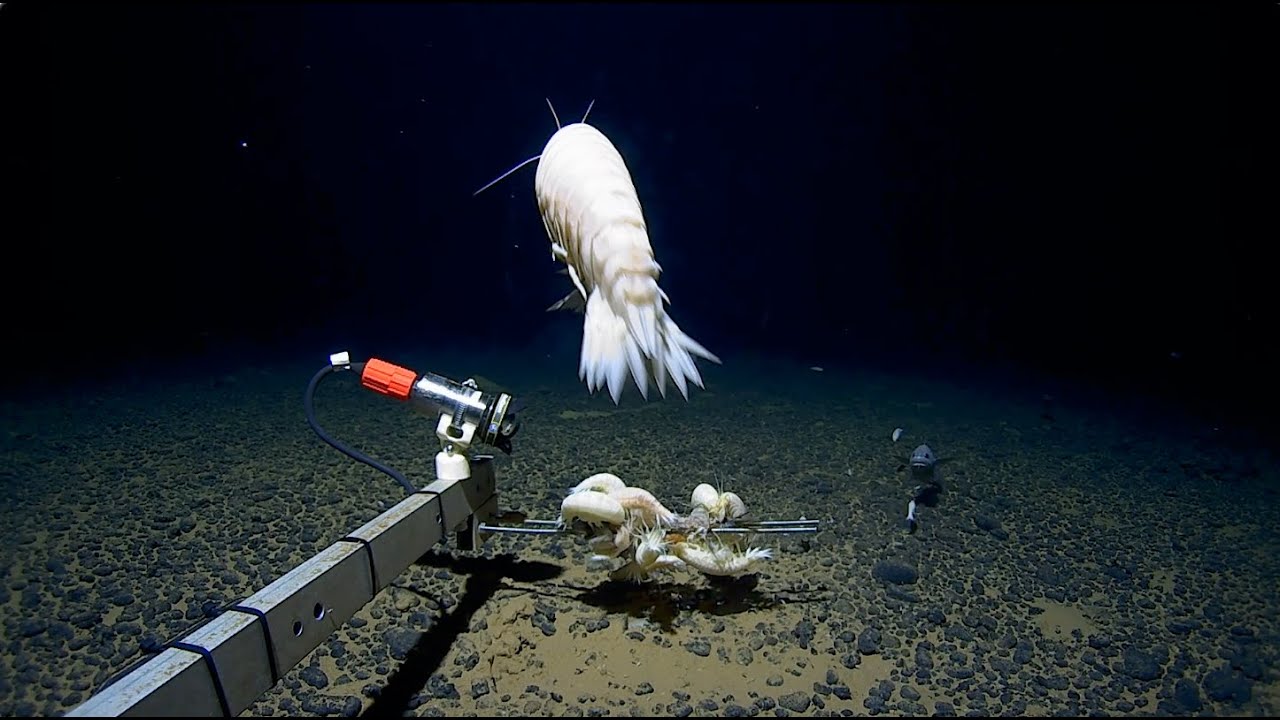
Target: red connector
(382,377)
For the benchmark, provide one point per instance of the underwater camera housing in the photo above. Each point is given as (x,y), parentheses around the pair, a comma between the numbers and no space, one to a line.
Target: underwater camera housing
(464,409)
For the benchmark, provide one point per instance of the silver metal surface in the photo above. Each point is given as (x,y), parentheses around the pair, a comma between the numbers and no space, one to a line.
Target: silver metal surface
(240,651)
(767,527)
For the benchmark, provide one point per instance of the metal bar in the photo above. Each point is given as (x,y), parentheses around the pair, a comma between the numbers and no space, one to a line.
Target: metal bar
(519,530)
(767,527)
(226,664)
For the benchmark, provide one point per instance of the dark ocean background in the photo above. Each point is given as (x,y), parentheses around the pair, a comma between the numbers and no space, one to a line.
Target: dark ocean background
(1036,237)
(1067,189)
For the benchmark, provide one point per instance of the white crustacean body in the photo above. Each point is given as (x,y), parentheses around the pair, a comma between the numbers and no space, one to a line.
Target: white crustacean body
(594,508)
(593,218)
(718,505)
(643,506)
(600,482)
(650,557)
(720,559)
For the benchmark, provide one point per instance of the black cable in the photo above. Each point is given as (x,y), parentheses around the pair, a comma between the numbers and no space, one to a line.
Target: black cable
(373,564)
(308,401)
(266,637)
(212,664)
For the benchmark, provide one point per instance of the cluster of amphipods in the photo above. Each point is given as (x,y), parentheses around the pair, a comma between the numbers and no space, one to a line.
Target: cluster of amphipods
(630,523)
